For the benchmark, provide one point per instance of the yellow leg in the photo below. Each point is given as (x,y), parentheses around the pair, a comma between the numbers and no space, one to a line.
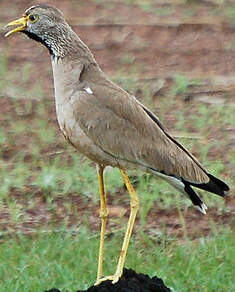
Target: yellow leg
(134,203)
(103,216)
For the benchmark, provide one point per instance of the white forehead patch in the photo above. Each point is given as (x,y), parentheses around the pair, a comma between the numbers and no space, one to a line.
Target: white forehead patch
(88,90)
(26,11)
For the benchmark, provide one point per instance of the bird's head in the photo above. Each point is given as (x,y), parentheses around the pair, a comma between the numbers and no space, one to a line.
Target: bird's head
(45,24)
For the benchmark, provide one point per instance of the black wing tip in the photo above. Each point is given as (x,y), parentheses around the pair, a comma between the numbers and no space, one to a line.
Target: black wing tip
(215,186)
(219,183)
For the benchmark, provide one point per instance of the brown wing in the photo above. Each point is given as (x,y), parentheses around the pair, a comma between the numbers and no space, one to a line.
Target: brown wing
(124,128)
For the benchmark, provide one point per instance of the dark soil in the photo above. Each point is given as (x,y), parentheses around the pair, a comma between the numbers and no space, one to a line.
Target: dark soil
(129,282)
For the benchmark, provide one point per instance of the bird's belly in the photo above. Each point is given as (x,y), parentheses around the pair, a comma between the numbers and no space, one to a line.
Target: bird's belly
(77,138)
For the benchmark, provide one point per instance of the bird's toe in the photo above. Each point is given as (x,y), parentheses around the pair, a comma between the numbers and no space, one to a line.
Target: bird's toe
(113,278)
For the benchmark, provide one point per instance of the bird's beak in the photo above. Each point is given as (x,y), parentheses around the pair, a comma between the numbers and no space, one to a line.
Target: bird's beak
(21,21)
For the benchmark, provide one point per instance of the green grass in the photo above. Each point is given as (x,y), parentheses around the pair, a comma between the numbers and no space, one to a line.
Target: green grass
(67,260)
(182,85)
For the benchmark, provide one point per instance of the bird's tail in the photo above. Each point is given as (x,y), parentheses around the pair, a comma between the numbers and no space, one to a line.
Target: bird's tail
(214,185)
(193,196)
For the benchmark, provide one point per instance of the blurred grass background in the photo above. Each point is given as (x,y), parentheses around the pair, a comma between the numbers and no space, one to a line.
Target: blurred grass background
(177,57)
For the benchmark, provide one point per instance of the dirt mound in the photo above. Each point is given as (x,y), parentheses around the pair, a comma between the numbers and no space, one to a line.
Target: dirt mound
(129,282)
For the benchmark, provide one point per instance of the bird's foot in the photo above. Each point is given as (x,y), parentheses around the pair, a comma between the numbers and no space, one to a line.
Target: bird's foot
(114,278)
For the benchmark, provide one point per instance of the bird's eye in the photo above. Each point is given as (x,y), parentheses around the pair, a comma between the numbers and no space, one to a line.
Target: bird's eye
(33,18)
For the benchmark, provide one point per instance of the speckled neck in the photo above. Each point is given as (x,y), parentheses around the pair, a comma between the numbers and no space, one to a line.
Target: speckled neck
(62,41)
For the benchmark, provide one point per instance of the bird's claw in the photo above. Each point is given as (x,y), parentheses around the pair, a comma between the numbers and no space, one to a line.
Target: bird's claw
(113,278)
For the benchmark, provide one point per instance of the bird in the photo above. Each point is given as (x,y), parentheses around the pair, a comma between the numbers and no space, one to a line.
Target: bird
(109,125)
